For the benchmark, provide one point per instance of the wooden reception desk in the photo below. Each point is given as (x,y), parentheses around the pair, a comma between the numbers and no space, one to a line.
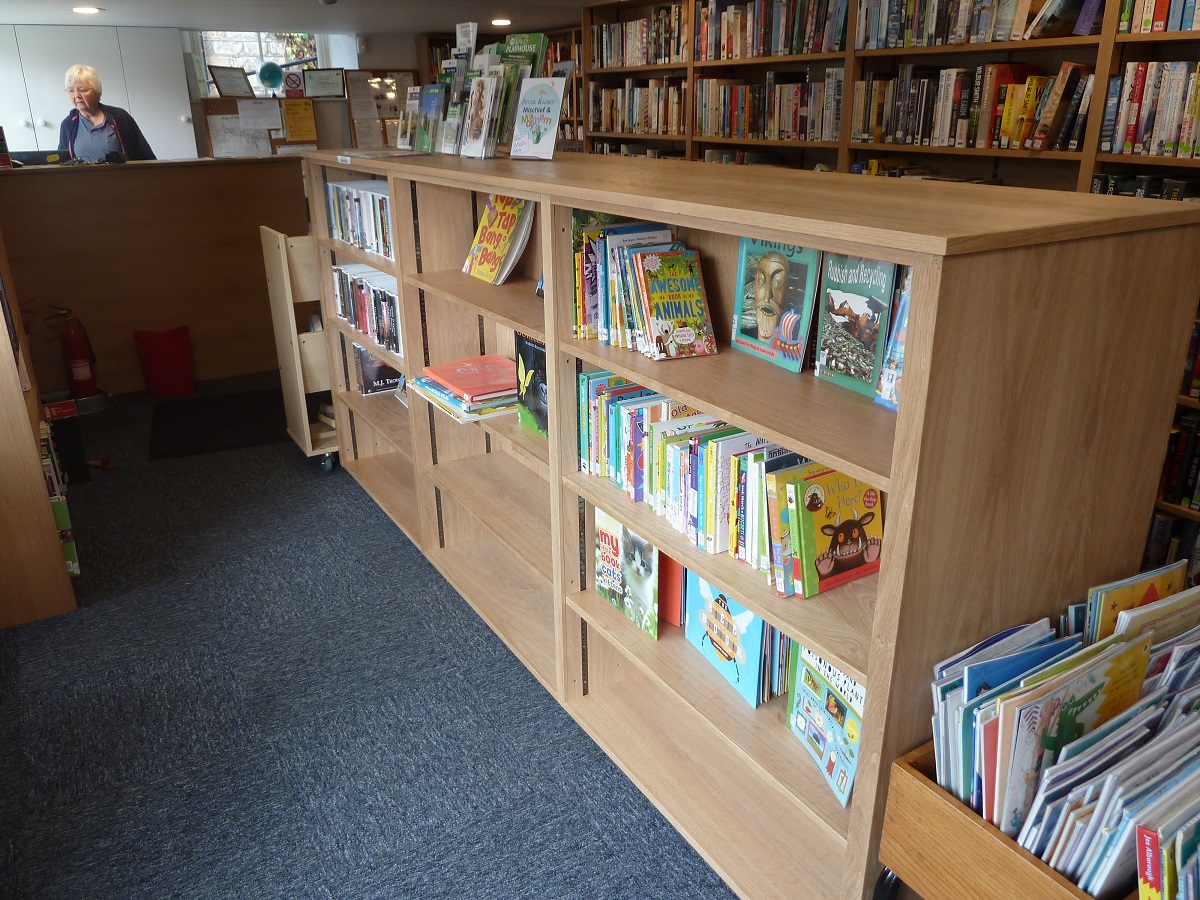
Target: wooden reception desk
(149,245)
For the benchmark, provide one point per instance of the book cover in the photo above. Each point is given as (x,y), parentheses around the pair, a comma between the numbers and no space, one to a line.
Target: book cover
(825,708)
(627,572)
(429,120)
(478,118)
(536,125)
(776,290)
(856,302)
(1106,601)
(887,392)
(406,132)
(477,377)
(503,231)
(533,392)
(727,634)
(837,528)
(678,313)
(451,137)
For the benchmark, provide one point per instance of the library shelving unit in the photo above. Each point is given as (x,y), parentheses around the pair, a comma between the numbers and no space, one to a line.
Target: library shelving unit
(566,44)
(1016,472)
(1106,52)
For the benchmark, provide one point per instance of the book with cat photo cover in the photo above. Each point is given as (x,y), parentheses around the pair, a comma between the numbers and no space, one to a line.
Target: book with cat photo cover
(627,572)
(728,635)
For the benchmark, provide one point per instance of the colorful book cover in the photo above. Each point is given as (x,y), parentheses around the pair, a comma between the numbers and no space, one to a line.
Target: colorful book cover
(727,634)
(478,120)
(1107,601)
(536,125)
(627,572)
(887,393)
(429,120)
(406,132)
(825,708)
(678,313)
(837,528)
(856,301)
(776,290)
(533,392)
(502,233)
(477,377)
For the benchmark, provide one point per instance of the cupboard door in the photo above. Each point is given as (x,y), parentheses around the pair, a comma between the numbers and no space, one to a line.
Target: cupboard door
(158,92)
(14,102)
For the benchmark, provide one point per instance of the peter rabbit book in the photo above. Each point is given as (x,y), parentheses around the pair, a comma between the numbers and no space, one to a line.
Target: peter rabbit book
(500,239)
(677,309)
(727,634)
(776,289)
(536,125)
(824,710)
(856,299)
(627,572)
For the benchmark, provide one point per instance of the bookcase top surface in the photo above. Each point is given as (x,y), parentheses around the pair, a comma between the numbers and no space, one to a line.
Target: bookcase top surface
(900,214)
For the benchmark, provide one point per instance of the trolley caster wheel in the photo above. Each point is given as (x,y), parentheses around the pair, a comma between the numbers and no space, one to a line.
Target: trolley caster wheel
(326,463)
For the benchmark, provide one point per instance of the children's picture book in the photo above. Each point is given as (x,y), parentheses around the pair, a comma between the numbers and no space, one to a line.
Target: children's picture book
(776,289)
(727,634)
(677,307)
(1107,601)
(856,299)
(887,392)
(627,572)
(533,393)
(825,707)
(478,118)
(536,125)
(836,528)
(504,226)
(477,378)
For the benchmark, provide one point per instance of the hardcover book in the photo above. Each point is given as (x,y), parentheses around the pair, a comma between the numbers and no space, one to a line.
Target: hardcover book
(677,311)
(825,708)
(727,634)
(856,299)
(627,572)
(372,374)
(500,239)
(533,392)
(477,378)
(536,125)
(887,393)
(776,289)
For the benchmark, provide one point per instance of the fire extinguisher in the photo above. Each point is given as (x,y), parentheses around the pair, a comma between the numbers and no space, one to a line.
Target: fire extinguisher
(77,352)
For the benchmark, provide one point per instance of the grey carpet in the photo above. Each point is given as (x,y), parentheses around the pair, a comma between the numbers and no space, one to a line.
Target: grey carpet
(269,693)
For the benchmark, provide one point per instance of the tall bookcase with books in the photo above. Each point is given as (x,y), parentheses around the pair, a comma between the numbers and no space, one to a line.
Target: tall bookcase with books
(1015,473)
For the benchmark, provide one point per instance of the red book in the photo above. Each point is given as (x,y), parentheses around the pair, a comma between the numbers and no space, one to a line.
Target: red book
(1001,73)
(477,377)
(671,577)
(1135,103)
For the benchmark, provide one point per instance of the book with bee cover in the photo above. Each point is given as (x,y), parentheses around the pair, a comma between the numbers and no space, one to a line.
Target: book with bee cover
(824,710)
(627,572)
(727,634)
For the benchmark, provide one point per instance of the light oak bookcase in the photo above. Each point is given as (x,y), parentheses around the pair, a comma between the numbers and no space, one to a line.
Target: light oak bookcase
(1042,358)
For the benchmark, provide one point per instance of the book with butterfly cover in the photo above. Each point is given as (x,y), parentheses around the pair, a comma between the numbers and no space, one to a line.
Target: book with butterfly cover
(500,239)
(627,572)
(533,392)
(776,289)
(727,634)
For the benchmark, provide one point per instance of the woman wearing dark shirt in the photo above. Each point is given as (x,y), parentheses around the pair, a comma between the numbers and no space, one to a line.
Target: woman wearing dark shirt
(93,130)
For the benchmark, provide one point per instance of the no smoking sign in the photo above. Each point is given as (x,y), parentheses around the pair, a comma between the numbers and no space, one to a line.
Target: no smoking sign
(293,85)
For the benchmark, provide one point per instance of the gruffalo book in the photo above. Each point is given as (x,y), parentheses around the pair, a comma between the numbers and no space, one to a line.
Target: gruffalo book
(837,528)
(776,287)
(855,303)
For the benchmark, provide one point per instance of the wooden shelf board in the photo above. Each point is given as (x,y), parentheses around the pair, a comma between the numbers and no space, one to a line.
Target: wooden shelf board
(395,360)
(513,599)
(765,60)
(536,447)
(721,805)
(631,136)
(835,625)
(388,478)
(349,251)
(985,47)
(1176,510)
(1069,155)
(632,70)
(1185,400)
(1162,162)
(760,735)
(854,434)
(322,438)
(384,413)
(764,142)
(1156,37)
(937,845)
(512,501)
(514,303)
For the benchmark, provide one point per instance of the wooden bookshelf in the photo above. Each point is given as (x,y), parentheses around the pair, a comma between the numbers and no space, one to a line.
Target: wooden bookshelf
(1005,387)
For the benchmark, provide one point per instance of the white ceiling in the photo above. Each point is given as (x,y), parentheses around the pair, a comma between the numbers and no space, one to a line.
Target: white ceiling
(340,17)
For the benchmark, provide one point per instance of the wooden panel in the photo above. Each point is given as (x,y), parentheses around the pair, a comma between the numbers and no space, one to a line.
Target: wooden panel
(514,303)
(202,268)
(384,413)
(388,478)
(314,363)
(276,262)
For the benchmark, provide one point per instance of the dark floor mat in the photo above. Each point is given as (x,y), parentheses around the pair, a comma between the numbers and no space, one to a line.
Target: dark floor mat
(191,425)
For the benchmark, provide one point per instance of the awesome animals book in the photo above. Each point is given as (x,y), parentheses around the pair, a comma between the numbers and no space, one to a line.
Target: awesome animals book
(627,572)
(776,289)
(855,302)
(677,312)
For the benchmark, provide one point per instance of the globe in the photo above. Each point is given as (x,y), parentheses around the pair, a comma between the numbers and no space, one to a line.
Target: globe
(271,75)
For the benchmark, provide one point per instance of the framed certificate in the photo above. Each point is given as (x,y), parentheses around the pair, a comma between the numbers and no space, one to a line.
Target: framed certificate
(231,81)
(324,82)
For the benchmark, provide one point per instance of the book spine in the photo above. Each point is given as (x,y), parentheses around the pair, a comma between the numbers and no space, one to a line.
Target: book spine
(1112,110)
(1076,138)
(1148,108)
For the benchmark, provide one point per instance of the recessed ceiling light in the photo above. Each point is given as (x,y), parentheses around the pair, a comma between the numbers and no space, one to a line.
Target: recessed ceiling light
(87,10)
(500,23)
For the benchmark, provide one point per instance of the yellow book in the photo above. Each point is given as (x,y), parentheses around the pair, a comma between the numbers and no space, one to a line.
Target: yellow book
(1012,103)
(1107,601)
(1035,86)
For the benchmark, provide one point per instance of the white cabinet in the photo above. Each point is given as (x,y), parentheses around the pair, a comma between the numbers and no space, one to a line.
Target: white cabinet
(142,70)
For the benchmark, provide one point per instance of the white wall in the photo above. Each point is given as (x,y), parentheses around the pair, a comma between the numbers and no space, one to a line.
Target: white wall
(388,51)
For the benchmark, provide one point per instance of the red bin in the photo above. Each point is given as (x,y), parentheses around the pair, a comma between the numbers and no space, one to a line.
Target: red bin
(166,359)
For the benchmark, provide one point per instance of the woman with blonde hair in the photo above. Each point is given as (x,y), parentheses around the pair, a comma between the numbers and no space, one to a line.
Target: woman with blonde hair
(94,131)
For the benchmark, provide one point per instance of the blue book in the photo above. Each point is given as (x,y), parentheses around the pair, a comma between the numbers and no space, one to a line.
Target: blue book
(727,634)
(1175,15)
(1189,11)
(1112,105)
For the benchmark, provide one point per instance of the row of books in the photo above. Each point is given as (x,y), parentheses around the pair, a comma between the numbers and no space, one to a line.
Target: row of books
(1147,16)
(657,39)
(369,300)
(1152,109)
(1180,479)
(470,389)
(1170,539)
(806,527)
(373,375)
(1079,742)
(1164,187)
(761,28)
(824,705)
(994,105)
(56,490)
(360,214)
(657,107)
(791,110)
(927,23)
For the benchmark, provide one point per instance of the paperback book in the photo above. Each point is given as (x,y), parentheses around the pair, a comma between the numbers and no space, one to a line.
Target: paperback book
(500,239)
(856,299)
(478,138)
(776,288)
(825,708)
(887,393)
(728,635)
(627,572)
(677,312)
(533,392)
(536,125)
(372,374)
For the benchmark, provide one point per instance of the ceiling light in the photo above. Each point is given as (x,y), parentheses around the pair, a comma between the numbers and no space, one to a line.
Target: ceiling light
(501,23)
(87,10)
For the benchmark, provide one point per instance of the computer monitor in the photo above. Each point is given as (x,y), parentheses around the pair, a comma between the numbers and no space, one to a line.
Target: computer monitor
(38,157)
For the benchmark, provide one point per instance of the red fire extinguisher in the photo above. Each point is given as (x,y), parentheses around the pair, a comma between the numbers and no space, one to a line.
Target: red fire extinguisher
(77,352)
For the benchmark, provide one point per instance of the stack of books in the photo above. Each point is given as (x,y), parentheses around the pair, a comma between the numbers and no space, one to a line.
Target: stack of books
(471,389)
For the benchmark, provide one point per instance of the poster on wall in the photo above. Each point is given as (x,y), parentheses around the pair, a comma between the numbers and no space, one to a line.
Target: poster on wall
(324,82)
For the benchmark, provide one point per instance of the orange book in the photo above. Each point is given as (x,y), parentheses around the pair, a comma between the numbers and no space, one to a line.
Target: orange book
(477,377)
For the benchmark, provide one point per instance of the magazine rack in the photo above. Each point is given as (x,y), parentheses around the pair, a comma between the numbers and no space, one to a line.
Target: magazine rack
(1040,354)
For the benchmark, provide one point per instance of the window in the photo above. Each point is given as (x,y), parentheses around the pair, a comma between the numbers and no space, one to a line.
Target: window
(250,49)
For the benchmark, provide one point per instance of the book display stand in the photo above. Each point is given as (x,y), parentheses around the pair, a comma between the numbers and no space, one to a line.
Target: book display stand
(1016,472)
